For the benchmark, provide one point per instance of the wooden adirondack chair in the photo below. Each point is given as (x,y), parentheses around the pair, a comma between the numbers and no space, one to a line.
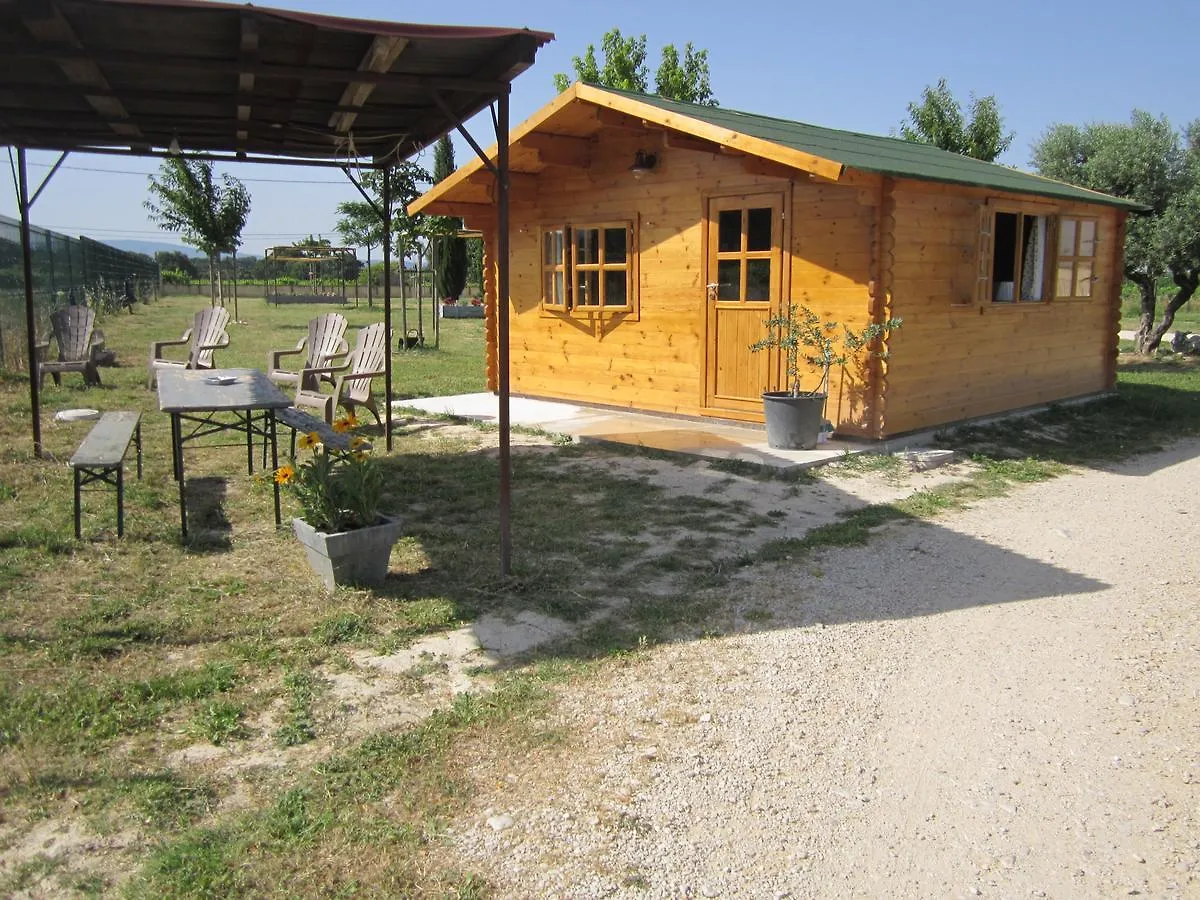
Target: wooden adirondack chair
(206,335)
(72,327)
(351,379)
(325,341)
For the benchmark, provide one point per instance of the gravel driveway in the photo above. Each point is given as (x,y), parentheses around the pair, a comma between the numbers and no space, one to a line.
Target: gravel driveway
(1001,703)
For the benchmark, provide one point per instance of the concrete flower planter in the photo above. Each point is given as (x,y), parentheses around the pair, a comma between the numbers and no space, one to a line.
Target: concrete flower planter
(793,423)
(464,311)
(358,557)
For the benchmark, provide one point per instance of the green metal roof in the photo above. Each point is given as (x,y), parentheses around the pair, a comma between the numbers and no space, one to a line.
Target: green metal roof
(885,155)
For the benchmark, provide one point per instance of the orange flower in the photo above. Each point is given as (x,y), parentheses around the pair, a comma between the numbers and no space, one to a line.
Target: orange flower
(310,440)
(360,444)
(284,474)
(341,426)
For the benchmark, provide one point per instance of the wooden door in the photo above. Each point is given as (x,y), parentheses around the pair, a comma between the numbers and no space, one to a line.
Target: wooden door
(743,277)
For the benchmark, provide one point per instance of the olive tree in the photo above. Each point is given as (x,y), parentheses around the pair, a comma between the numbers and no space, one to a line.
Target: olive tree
(1147,161)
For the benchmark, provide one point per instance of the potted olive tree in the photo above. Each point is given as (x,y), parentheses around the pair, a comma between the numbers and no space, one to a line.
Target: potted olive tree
(794,417)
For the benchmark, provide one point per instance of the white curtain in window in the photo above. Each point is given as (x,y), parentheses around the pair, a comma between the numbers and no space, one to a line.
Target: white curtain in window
(1033,258)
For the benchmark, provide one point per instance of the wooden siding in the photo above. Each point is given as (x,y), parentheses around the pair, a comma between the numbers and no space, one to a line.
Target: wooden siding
(655,359)
(833,257)
(855,252)
(957,359)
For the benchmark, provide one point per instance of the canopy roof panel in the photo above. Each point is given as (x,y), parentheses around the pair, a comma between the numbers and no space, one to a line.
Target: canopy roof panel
(223,78)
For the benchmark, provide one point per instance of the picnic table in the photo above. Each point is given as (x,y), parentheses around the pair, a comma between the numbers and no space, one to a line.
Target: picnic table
(210,401)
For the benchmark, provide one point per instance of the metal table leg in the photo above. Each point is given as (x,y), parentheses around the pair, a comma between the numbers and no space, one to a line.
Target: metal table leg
(250,442)
(177,453)
(78,527)
(272,436)
(121,500)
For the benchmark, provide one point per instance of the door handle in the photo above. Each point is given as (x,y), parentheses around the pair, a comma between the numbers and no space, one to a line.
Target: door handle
(712,290)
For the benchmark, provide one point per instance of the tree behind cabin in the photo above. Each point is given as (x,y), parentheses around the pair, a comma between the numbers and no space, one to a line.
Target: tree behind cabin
(625,69)
(450,271)
(938,119)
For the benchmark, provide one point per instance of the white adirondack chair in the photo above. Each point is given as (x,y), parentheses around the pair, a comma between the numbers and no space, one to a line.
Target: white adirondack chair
(73,329)
(325,342)
(208,333)
(351,379)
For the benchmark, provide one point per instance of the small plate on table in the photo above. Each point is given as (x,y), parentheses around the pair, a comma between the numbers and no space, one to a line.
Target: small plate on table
(221,379)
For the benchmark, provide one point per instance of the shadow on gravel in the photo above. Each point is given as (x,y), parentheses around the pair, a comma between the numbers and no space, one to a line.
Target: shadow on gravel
(914,569)
(610,553)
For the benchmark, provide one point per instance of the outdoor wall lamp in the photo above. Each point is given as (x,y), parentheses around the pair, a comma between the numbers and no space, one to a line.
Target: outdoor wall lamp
(643,162)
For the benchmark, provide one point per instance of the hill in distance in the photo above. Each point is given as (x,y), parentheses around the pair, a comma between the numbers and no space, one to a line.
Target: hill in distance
(152,247)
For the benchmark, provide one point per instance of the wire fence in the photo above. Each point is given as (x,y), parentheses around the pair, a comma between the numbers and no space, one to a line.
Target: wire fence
(66,271)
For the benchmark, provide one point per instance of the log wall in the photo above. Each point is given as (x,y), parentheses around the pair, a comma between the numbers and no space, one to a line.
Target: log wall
(956,359)
(655,359)
(866,249)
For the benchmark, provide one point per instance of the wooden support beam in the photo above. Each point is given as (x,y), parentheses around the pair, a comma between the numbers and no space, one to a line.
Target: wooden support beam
(247,55)
(318,74)
(475,212)
(522,182)
(610,118)
(756,165)
(273,107)
(559,149)
(47,25)
(619,104)
(378,59)
(482,188)
(673,140)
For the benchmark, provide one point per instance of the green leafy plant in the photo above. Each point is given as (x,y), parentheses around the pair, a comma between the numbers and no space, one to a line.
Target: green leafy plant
(800,334)
(338,490)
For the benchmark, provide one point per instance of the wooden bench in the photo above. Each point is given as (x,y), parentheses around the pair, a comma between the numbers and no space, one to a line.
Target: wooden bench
(101,457)
(298,420)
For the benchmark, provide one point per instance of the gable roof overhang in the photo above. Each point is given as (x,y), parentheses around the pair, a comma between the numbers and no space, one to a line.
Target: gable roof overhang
(538,140)
(822,153)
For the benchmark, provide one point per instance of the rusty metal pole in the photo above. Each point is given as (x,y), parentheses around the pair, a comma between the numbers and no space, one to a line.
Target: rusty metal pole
(35,398)
(387,299)
(502,331)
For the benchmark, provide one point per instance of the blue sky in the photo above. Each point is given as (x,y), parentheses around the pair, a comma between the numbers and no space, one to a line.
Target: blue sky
(853,65)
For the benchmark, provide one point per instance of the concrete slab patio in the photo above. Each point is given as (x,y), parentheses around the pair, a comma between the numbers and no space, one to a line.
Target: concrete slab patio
(712,439)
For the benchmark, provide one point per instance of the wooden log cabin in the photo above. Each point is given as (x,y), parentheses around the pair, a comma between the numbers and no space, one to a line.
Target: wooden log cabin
(650,240)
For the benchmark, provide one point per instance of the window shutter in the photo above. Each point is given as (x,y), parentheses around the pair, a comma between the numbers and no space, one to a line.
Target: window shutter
(983,280)
(568,267)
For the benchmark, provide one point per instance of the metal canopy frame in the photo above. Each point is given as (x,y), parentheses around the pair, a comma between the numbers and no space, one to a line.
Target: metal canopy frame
(311,90)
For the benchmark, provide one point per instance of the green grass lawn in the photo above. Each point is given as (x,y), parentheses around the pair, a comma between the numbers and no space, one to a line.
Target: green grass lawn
(1187,319)
(117,655)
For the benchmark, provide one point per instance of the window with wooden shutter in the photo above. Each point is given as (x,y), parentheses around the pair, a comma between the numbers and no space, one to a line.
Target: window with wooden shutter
(554,281)
(1014,256)
(1076,262)
(589,269)
(983,283)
